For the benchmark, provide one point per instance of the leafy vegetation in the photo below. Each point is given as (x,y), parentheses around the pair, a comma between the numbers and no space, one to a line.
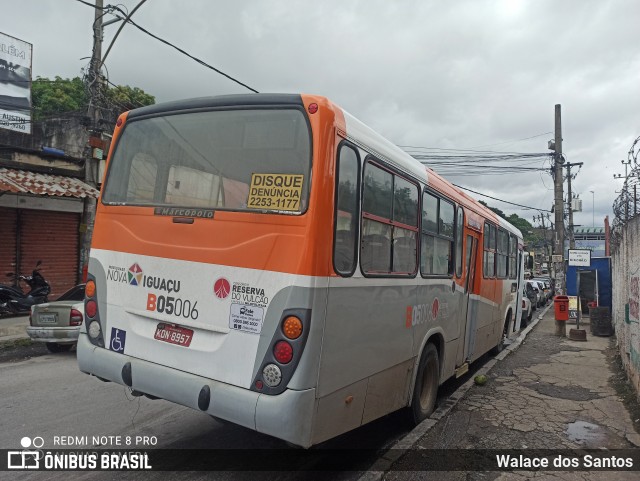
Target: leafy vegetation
(52,97)
(58,96)
(129,98)
(529,234)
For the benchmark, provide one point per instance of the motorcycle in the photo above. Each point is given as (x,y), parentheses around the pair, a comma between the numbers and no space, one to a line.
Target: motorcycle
(14,300)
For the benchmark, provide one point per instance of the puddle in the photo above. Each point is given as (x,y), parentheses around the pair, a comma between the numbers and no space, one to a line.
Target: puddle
(574,393)
(583,432)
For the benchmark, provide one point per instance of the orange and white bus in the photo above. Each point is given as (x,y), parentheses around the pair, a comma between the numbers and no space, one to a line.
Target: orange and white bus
(271,261)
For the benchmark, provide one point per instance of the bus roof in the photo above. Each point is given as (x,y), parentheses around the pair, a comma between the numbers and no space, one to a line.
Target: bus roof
(370,140)
(358,132)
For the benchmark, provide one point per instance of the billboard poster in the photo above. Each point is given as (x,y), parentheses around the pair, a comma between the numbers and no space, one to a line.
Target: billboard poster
(15,84)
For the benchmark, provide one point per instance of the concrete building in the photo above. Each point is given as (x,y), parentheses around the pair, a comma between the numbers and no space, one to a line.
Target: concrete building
(43,199)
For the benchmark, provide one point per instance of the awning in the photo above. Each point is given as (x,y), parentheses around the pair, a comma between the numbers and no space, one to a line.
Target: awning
(26,182)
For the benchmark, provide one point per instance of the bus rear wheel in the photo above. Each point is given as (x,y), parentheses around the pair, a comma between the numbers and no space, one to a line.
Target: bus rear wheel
(425,391)
(505,332)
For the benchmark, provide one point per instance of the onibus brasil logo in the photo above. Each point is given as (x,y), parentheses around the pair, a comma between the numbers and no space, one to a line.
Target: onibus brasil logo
(27,458)
(135,275)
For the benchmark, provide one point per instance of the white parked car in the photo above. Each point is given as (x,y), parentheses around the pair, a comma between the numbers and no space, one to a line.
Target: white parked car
(527,310)
(58,323)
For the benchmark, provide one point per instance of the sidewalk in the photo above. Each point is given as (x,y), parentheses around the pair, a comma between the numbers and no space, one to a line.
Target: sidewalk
(12,328)
(550,393)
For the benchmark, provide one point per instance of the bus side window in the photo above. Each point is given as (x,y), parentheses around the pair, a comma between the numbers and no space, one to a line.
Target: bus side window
(404,254)
(489,263)
(376,252)
(438,222)
(389,224)
(502,253)
(346,212)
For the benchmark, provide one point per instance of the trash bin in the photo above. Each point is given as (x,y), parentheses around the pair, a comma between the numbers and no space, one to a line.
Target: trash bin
(561,306)
(600,321)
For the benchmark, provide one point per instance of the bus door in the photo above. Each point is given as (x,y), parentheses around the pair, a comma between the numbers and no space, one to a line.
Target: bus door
(469,307)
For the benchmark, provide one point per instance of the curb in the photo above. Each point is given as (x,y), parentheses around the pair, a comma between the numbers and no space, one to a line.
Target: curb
(15,337)
(14,327)
(395,452)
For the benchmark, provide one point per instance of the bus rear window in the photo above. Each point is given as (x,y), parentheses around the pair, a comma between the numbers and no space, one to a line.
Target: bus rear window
(242,160)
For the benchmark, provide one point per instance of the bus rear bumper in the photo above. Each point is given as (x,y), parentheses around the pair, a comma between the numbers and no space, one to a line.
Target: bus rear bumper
(286,416)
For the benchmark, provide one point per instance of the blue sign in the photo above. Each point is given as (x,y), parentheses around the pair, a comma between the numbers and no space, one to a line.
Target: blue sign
(118,339)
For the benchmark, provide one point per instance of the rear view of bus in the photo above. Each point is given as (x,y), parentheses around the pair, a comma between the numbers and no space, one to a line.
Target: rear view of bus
(203,280)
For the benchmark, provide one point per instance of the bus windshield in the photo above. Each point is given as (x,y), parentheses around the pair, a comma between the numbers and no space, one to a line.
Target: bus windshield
(241,160)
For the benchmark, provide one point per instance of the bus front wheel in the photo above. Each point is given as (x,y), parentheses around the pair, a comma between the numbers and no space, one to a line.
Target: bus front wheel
(425,391)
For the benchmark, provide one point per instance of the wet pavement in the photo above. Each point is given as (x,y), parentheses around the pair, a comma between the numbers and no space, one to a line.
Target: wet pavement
(550,393)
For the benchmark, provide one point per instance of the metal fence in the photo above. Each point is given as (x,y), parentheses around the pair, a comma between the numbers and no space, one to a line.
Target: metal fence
(626,207)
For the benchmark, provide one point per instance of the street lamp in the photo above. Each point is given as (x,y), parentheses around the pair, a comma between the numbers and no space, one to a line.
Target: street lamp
(593,208)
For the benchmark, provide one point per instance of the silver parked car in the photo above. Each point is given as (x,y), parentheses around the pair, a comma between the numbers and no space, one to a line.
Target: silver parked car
(58,323)
(539,293)
(546,282)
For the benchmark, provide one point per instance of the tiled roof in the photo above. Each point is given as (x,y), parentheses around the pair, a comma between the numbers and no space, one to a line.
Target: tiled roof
(26,182)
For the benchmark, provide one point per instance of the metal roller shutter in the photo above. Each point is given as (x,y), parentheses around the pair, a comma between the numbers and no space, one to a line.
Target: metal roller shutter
(51,237)
(8,219)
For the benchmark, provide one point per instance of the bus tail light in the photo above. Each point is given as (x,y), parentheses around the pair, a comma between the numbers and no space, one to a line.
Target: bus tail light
(284,352)
(292,327)
(75,317)
(90,289)
(272,376)
(94,330)
(92,311)
(91,308)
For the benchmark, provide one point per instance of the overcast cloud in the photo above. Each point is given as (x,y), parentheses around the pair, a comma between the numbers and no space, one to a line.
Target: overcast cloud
(444,74)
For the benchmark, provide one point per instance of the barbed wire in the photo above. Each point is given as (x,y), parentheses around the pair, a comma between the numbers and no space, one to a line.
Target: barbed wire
(625,207)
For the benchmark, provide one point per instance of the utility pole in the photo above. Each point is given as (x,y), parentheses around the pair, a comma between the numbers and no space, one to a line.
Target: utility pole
(559,200)
(94,82)
(572,239)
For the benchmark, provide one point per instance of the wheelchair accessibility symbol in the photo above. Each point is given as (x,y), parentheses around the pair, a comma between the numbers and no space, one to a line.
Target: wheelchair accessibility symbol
(118,338)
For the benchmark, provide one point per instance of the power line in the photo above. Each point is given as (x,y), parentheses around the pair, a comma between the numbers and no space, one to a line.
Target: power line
(91,5)
(500,200)
(513,141)
(445,149)
(201,62)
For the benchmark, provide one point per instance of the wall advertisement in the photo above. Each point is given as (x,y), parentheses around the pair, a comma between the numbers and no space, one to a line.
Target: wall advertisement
(15,84)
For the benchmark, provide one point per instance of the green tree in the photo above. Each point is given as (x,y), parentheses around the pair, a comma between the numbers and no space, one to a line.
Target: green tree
(515,220)
(129,98)
(58,96)
(494,209)
(52,97)
(523,224)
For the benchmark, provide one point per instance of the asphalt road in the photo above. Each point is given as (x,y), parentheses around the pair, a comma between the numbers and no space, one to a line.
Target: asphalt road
(46,396)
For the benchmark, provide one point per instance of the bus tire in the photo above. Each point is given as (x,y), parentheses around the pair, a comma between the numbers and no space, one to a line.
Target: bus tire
(425,391)
(500,346)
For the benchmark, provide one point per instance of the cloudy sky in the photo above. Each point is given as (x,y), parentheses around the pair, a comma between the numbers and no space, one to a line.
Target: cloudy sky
(463,74)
